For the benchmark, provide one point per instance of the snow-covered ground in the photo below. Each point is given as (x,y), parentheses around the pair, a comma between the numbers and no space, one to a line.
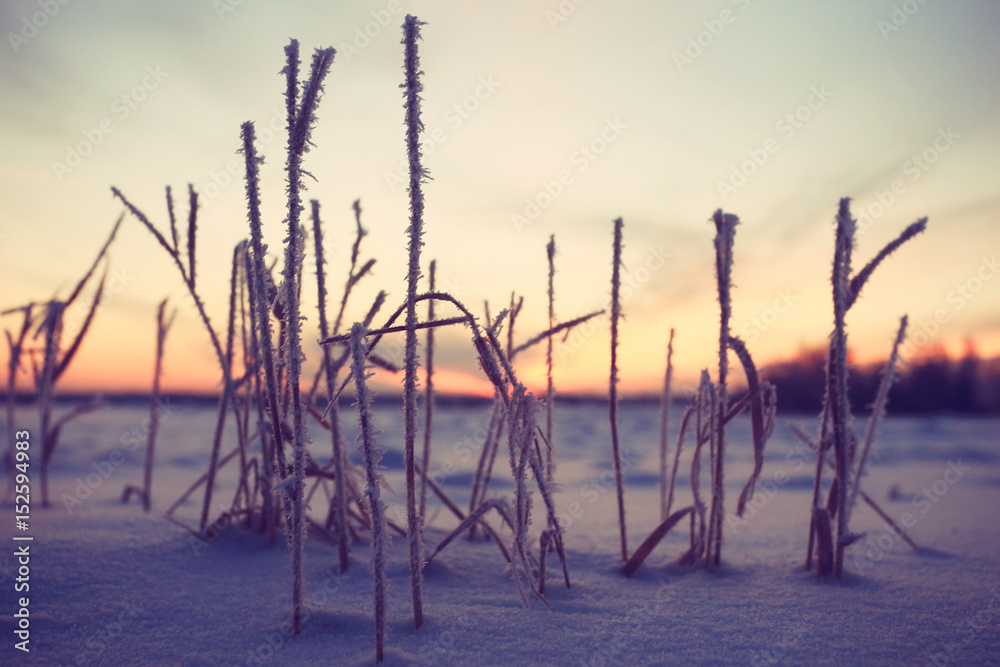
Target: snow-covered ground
(110,585)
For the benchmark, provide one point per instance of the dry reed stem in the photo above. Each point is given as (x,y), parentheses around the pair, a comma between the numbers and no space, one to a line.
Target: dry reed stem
(650,543)
(823,446)
(259,285)
(192,231)
(163,324)
(454,509)
(84,328)
(859,280)
(888,519)
(544,489)
(664,427)
(354,275)
(550,390)
(685,421)
(520,412)
(267,445)
(229,391)
(259,282)
(54,364)
(835,429)
(220,424)
(372,455)
(339,505)
(498,369)
(97,260)
(878,412)
(613,383)
(552,331)
(493,431)
(472,519)
(817,485)
(492,448)
(839,405)
(825,558)
(15,349)
(762,412)
(518,434)
(377,334)
(515,310)
(725,226)
(300,124)
(242,408)
(197,483)
(341,338)
(175,255)
(412,88)
(173,219)
(705,405)
(428,398)
(864,496)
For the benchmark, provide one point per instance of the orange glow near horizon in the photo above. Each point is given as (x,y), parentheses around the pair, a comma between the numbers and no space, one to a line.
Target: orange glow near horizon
(98,370)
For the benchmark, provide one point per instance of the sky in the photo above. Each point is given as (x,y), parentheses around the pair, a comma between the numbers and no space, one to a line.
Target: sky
(541,118)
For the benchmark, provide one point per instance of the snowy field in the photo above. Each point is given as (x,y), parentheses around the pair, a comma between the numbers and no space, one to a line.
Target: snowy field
(112,586)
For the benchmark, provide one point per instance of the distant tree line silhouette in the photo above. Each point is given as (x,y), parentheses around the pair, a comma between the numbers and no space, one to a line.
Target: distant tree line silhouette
(931,382)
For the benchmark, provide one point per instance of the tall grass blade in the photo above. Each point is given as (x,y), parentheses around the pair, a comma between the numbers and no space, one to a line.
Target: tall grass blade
(550,390)
(878,412)
(372,456)
(428,398)
(650,543)
(613,383)
(725,226)
(412,88)
(664,428)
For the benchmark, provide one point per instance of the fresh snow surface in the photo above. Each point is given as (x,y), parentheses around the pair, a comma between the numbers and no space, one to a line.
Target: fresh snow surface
(110,585)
